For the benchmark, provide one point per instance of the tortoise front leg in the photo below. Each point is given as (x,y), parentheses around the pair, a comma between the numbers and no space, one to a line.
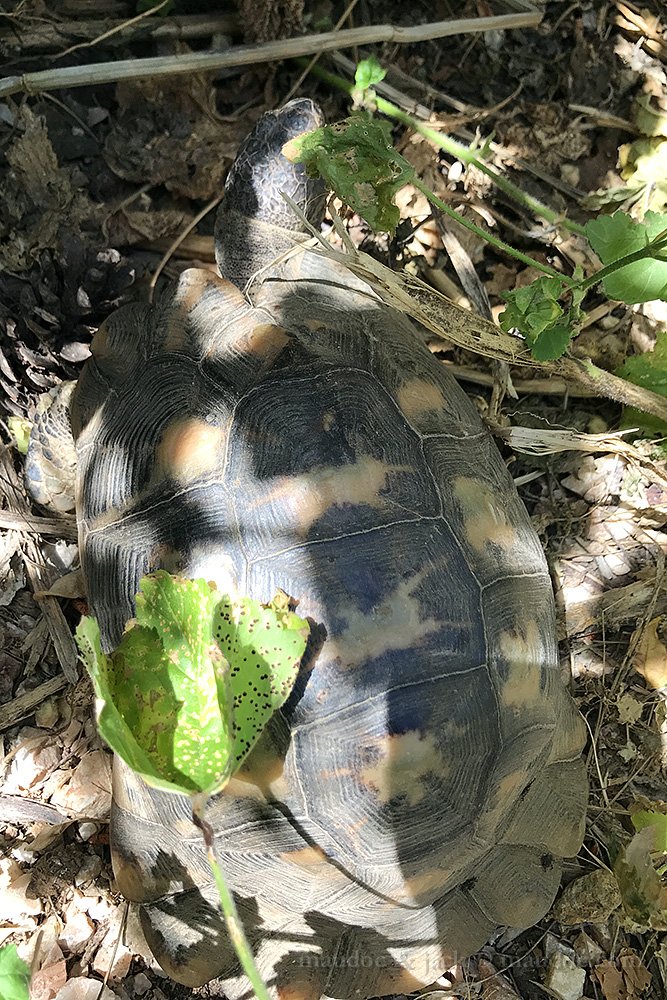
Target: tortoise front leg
(50,466)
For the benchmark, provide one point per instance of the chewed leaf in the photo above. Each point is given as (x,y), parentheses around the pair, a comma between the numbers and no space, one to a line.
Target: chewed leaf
(169,703)
(113,727)
(264,645)
(536,313)
(357,160)
(160,690)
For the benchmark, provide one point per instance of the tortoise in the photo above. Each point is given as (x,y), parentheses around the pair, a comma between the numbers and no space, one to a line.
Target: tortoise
(277,426)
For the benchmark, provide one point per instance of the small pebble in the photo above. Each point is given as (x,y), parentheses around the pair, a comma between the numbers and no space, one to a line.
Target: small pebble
(141,984)
(589,899)
(587,951)
(47,713)
(81,988)
(564,979)
(87,830)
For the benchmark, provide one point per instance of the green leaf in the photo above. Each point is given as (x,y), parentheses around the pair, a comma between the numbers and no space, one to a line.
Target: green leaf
(194,680)
(552,343)
(643,891)
(656,820)
(19,428)
(616,236)
(533,308)
(264,644)
(368,73)
(357,160)
(14,975)
(648,370)
(538,315)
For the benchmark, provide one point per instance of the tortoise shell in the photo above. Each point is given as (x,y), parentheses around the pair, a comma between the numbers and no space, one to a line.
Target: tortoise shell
(424,780)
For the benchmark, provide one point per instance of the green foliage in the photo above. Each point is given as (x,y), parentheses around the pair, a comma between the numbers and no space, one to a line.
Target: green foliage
(652,815)
(357,160)
(194,680)
(368,73)
(185,696)
(615,237)
(648,370)
(643,890)
(20,432)
(538,315)
(642,162)
(14,975)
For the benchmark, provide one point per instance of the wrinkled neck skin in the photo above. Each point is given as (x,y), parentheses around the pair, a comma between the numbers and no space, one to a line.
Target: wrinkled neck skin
(244,246)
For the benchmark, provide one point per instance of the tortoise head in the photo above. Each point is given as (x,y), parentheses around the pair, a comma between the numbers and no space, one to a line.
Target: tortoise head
(254,222)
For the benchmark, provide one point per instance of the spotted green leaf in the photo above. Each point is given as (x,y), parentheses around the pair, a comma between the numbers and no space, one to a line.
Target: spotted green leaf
(252,638)
(194,680)
(14,974)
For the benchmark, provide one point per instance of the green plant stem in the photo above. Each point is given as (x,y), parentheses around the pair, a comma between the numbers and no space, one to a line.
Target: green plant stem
(230,913)
(488,238)
(454,148)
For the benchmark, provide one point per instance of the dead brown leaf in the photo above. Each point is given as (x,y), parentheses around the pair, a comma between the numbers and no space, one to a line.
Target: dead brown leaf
(650,658)
(626,979)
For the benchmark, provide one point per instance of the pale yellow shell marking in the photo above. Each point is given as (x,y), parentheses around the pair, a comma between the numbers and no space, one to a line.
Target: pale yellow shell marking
(418,396)
(427,882)
(108,517)
(192,285)
(485,521)
(423,966)
(503,792)
(328,420)
(317,865)
(397,623)
(190,448)
(306,857)
(309,497)
(405,760)
(264,340)
(99,346)
(522,650)
(261,774)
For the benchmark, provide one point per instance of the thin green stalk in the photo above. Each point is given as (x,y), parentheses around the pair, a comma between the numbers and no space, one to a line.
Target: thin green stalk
(454,148)
(230,913)
(488,238)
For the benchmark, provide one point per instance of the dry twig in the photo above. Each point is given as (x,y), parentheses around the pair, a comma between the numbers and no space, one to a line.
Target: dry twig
(245,55)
